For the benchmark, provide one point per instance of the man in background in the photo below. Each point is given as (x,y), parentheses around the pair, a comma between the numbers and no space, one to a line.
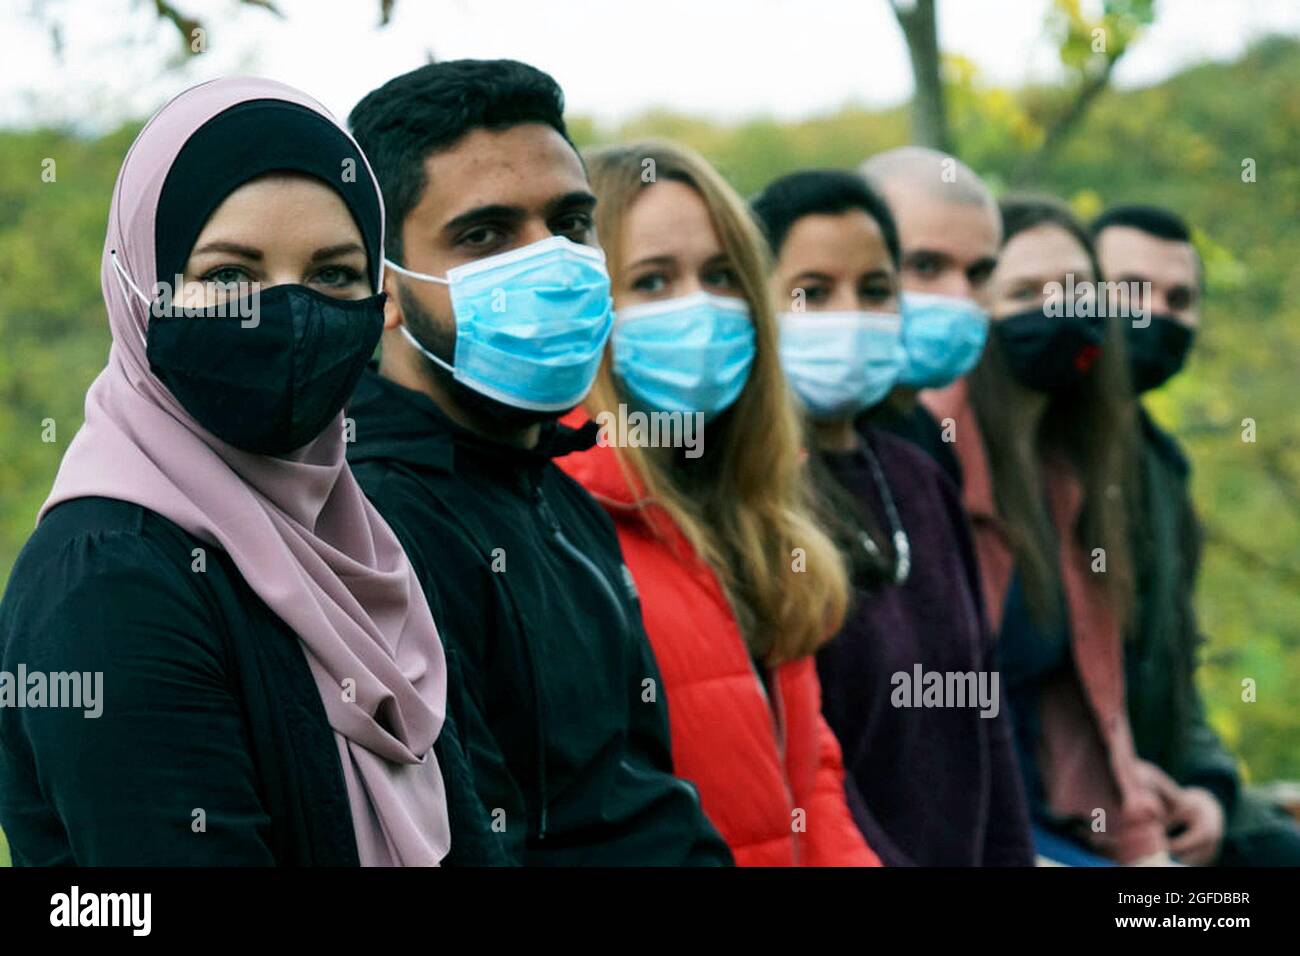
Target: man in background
(1214,820)
(950,232)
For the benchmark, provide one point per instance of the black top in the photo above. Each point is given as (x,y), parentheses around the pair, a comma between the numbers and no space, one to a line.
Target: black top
(921,429)
(538,614)
(1031,654)
(1164,705)
(212,747)
(940,784)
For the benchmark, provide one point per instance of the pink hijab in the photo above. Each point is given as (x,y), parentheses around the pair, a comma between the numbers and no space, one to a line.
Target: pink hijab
(299,529)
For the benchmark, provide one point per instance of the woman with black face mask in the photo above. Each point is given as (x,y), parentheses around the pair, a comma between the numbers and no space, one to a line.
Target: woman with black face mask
(222,655)
(1043,429)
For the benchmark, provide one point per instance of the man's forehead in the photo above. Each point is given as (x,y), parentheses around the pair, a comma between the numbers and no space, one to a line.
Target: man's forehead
(960,229)
(528,165)
(1127,250)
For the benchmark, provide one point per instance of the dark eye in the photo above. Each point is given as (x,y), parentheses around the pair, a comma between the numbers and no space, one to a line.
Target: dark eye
(925,265)
(721,278)
(811,294)
(1179,299)
(575,226)
(651,283)
(481,237)
(978,275)
(337,276)
(876,290)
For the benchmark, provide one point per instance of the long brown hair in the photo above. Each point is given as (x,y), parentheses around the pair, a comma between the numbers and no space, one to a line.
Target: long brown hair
(746,505)
(1092,427)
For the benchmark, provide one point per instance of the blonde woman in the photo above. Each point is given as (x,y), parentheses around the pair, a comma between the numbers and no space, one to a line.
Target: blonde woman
(738,585)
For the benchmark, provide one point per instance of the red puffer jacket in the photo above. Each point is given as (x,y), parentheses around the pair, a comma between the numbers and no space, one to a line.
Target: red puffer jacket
(769,774)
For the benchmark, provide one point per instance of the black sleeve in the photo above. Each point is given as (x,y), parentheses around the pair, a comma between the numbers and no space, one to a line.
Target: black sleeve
(487,810)
(1204,760)
(163,775)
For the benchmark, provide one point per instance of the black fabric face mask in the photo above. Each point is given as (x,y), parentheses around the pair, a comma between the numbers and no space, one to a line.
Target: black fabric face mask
(1049,353)
(272,387)
(1157,351)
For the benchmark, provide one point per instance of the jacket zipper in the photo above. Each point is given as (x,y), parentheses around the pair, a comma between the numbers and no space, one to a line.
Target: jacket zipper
(541,726)
(534,489)
(557,534)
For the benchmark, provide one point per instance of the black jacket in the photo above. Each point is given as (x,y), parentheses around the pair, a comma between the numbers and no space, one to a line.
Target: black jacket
(208,705)
(539,618)
(1165,708)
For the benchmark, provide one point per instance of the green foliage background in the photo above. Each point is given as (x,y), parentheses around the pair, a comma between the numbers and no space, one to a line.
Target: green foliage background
(1181,143)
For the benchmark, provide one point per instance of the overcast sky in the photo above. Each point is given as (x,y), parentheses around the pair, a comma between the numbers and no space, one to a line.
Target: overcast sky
(726,59)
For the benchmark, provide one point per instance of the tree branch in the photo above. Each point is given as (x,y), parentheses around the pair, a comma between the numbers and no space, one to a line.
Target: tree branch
(929,111)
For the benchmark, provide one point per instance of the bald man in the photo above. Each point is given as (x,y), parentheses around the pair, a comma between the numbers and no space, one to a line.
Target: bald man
(950,233)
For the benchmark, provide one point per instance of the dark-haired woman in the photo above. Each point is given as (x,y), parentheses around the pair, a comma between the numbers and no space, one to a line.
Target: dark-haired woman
(1044,434)
(936,777)
(260,678)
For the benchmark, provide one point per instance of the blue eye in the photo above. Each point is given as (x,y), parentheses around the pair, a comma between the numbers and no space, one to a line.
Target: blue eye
(226,275)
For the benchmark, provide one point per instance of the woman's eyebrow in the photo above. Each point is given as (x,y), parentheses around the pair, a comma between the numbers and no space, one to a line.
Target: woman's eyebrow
(329,252)
(220,245)
(657,260)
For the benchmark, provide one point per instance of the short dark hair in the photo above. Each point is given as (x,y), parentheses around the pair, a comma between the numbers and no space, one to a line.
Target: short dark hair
(431,108)
(1153,220)
(820,192)
(1023,212)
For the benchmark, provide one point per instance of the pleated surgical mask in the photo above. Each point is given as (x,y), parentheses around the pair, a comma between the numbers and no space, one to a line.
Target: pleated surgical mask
(840,363)
(531,323)
(688,354)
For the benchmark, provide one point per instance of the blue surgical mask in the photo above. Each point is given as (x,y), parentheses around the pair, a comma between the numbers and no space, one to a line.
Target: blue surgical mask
(840,363)
(531,323)
(690,354)
(944,337)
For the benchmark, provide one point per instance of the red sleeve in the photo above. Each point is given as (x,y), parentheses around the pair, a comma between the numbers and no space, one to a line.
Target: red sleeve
(832,837)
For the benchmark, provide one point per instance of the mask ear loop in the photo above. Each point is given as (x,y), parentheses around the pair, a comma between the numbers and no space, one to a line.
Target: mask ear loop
(402,270)
(122,274)
(410,337)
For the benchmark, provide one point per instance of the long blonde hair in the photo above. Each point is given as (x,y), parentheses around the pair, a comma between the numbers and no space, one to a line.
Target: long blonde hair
(748,510)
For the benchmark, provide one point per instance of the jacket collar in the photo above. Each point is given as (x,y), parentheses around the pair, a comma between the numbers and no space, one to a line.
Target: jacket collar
(398,423)
(600,470)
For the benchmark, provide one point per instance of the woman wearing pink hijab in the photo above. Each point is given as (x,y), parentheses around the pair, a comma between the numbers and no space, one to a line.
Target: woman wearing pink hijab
(217,650)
